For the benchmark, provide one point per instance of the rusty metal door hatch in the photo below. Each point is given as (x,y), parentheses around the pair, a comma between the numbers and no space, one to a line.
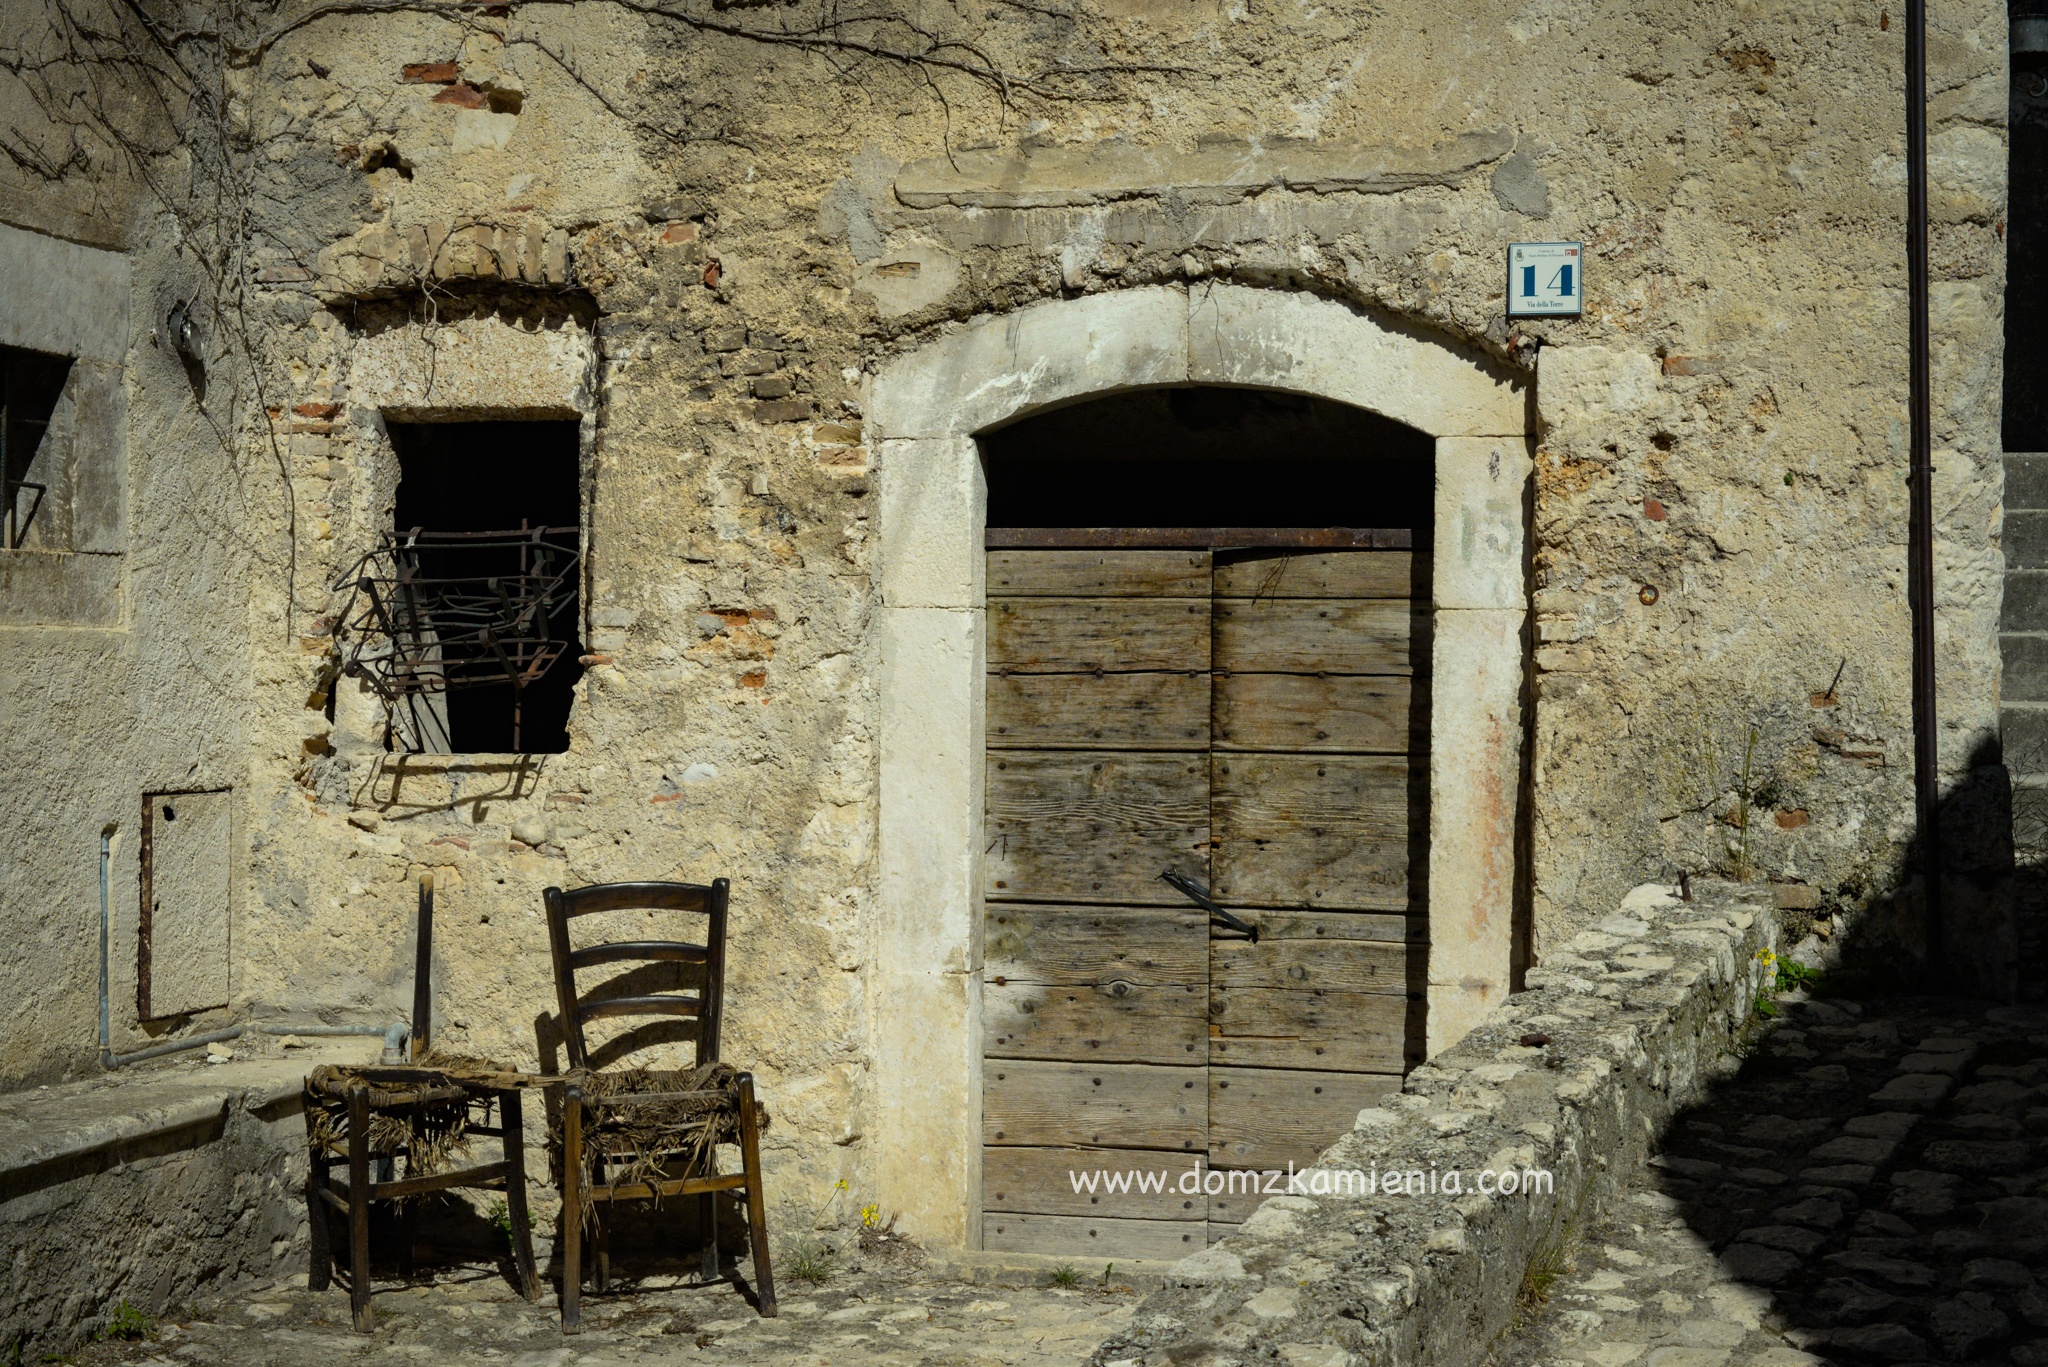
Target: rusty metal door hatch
(183,934)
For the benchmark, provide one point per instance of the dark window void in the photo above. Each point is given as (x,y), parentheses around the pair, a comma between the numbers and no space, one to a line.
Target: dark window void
(2026,246)
(1207,457)
(497,477)
(30,385)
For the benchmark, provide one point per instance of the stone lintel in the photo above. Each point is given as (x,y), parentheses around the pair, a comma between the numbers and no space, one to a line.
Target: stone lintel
(1218,171)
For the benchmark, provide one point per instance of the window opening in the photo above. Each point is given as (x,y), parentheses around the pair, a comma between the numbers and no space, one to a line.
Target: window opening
(465,617)
(30,384)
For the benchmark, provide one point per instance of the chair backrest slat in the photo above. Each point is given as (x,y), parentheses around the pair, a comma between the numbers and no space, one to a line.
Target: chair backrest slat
(641,951)
(705,1004)
(640,1006)
(638,897)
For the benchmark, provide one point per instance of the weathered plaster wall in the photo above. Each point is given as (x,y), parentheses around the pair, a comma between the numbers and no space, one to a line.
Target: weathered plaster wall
(745,233)
(124,649)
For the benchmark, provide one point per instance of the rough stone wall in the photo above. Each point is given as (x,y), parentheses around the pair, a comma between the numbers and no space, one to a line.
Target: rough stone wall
(152,1215)
(745,229)
(1573,1078)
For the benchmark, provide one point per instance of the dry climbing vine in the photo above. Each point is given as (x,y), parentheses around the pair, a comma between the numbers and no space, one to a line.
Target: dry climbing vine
(161,96)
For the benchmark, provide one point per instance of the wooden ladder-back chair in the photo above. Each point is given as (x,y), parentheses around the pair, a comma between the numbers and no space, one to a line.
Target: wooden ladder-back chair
(406,1102)
(596,1126)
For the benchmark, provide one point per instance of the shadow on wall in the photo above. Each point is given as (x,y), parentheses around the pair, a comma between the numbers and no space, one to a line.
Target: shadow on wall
(1879,1165)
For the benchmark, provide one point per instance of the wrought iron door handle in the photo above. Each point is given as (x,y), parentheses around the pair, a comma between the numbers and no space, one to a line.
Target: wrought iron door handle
(1199,895)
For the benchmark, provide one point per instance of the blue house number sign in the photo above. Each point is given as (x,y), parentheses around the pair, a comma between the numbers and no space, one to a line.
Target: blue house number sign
(1545,279)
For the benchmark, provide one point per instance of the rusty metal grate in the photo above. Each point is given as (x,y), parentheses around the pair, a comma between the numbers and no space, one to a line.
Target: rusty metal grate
(428,613)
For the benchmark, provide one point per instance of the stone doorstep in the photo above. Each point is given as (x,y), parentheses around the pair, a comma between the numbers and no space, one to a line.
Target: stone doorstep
(43,1127)
(980,1268)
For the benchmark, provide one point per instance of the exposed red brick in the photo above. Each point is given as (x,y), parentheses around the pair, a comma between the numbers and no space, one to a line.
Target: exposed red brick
(1691,365)
(428,73)
(712,271)
(1791,821)
(1653,510)
(594,658)
(754,678)
(679,232)
(462,96)
(664,797)
(316,410)
(457,841)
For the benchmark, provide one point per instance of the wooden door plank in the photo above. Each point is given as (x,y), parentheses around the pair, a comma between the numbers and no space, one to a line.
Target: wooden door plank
(1114,1021)
(1338,1032)
(1092,1239)
(1099,711)
(1228,1209)
(1269,1117)
(1314,635)
(1374,966)
(1098,574)
(1035,943)
(1340,925)
(1117,635)
(1313,832)
(1322,574)
(1036,1181)
(1115,1105)
(1093,826)
(1356,713)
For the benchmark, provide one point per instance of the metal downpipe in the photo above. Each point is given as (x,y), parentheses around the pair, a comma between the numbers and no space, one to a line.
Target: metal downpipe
(1920,520)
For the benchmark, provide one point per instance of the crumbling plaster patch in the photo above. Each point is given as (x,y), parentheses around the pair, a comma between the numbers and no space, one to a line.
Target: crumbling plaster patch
(924,409)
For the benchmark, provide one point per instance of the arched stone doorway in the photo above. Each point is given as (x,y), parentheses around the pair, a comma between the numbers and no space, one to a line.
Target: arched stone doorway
(925,411)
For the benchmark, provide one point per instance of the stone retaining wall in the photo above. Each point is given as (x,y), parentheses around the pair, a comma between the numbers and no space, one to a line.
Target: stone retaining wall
(154,1188)
(1625,1025)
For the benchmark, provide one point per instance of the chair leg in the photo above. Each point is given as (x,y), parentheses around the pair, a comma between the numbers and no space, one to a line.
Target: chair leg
(601,1241)
(319,1232)
(405,1228)
(707,1211)
(572,1210)
(757,1206)
(319,1229)
(512,1122)
(359,1206)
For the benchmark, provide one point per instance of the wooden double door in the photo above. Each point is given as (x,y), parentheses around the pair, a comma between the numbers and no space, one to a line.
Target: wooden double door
(1256,721)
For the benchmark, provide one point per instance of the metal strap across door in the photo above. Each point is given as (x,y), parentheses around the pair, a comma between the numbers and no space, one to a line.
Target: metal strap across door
(1238,706)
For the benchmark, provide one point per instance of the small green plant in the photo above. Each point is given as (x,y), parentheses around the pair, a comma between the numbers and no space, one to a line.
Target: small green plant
(1550,1263)
(127,1322)
(1066,1275)
(500,1216)
(1107,1268)
(810,1262)
(1792,975)
(1764,1007)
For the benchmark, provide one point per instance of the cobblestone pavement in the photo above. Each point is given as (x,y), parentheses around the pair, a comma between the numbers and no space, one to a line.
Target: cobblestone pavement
(889,1314)
(1873,1188)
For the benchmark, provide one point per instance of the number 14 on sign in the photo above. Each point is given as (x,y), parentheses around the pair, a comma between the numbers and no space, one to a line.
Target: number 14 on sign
(1545,278)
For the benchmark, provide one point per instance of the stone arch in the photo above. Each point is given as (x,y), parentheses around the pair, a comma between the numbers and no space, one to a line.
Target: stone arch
(924,410)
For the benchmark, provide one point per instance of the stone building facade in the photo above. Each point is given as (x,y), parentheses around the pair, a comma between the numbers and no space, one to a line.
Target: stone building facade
(763,284)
